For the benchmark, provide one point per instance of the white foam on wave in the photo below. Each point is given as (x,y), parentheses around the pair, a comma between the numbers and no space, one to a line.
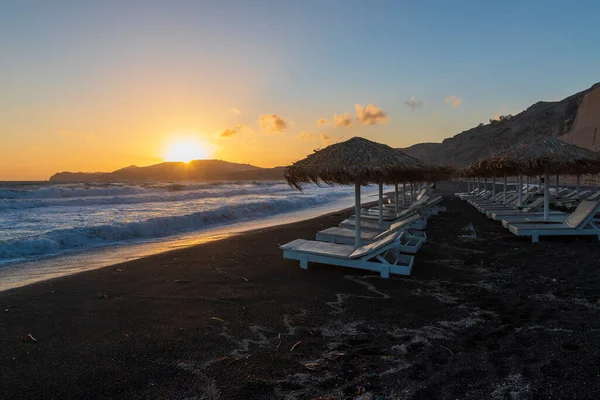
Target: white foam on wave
(146,196)
(78,190)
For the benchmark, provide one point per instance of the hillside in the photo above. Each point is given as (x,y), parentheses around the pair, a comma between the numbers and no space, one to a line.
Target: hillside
(176,171)
(574,119)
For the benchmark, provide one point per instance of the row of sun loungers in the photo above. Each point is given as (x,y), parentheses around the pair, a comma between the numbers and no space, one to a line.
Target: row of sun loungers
(387,248)
(528,219)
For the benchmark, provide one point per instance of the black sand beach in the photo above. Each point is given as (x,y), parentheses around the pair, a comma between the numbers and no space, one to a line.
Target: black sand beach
(492,316)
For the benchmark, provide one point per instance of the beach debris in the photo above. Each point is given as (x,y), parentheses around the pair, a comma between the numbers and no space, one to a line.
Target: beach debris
(469,231)
(30,338)
(294,346)
(182,281)
(313,366)
(102,296)
(218,319)
(445,348)
(278,339)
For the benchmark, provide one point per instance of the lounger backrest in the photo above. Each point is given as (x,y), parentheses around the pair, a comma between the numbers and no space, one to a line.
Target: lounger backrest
(401,224)
(372,248)
(534,204)
(583,213)
(593,196)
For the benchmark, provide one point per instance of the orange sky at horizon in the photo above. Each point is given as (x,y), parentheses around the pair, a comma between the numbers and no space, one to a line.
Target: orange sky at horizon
(98,86)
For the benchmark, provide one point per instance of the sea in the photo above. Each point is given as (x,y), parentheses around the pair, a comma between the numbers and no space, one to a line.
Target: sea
(48,230)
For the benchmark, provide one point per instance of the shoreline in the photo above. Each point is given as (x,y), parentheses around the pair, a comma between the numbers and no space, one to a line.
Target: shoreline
(26,272)
(486,316)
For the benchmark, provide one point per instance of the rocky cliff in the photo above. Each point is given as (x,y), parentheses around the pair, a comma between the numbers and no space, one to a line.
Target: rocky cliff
(575,119)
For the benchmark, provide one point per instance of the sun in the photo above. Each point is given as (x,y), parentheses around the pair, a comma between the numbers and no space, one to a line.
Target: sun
(186,151)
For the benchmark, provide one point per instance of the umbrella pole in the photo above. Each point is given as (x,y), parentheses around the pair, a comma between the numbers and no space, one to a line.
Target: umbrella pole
(493,186)
(546,194)
(485,183)
(403,193)
(520,183)
(478,185)
(578,181)
(557,185)
(527,179)
(396,198)
(505,185)
(357,215)
(380,203)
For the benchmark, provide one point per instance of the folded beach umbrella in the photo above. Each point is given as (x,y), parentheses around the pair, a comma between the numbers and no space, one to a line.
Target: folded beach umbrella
(547,156)
(357,162)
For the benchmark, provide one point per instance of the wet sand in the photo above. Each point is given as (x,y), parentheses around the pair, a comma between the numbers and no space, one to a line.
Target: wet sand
(490,316)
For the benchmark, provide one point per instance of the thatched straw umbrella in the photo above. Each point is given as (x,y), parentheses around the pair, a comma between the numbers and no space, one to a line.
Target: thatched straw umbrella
(357,162)
(548,156)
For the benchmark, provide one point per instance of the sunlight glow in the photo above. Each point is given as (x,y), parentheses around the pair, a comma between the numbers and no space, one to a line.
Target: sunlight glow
(186,151)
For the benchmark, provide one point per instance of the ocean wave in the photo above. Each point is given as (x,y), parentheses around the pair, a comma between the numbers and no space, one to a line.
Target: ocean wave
(77,190)
(61,240)
(152,197)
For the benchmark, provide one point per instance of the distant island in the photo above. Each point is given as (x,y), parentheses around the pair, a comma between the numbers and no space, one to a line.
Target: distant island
(176,171)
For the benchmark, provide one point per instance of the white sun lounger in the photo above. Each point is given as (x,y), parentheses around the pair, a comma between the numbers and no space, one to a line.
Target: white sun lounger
(409,243)
(497,203)
(381,256)
(535,217)
(579,222)
(511,204)
(530,209)
(415,221)
(573,202)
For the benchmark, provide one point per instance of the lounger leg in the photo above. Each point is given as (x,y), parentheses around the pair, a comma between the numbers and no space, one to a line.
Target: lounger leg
(304,263)
(535,238)
(385,271)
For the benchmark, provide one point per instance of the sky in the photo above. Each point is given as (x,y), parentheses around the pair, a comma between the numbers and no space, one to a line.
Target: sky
(99,85)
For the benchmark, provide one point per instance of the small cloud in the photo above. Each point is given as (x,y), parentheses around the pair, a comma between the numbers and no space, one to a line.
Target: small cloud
(370,115)
(306,136)
(229,133)
(436,113)
(414,103)
(234,111)
(326,138)
(344,120)
(272,123)
(453,100)
(86,136)
(322,121)
(226,133)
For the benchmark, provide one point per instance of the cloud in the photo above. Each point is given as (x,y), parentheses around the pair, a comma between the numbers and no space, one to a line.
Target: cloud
(234,111)
(370,115)
(344,120)
(272,123)
(322,121)
(326,138)
(306,136)
(414,103)
(436,113)
(453,100)
(228,133)
(86,136)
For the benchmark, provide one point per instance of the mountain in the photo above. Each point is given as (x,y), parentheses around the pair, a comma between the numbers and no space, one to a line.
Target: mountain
(575,119)
(176,171)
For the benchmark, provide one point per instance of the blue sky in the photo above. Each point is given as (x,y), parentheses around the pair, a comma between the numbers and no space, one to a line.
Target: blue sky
(133,70)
